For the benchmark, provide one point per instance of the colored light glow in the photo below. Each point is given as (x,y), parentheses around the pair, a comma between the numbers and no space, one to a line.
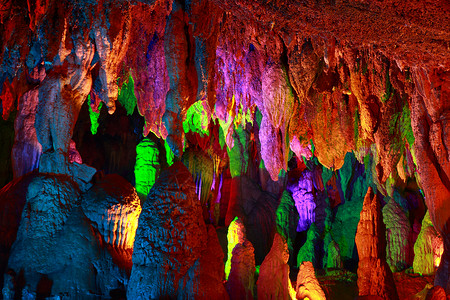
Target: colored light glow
(146,169)
(169,153)
(438,249)
(127,97)
(93,116)
(197,118)
(236,232)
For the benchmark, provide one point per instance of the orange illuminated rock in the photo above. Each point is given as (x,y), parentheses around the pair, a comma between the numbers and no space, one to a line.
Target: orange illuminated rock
(273,281)
(374,275)
(307,284)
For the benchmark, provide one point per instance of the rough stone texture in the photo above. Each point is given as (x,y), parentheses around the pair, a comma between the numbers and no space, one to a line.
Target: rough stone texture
(333,256)
(308,251)
(374,275)
(241,281)
(147,167)
(27,150)
(273,281)
(398,230)
(287,220)
(278,106)
(177,99)
(170,240)
(256,208)
(353,184)
(302,192)
(146,55)
(436,293)
(12,202)
(307,283)
(428,248)
(210,272)
(201,167)
(54,226)
(113,207)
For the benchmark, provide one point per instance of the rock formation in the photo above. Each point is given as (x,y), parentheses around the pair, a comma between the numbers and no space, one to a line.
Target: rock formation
(171,240)
(307,284)
(374,275)
(428,248)
(240,265)
(322,99)
(273,281)
(397,236)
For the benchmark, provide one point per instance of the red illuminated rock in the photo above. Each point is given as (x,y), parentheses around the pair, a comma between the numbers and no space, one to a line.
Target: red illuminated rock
(180,94)
(307,283)
(374,275)
(27,150)
(241,280)
(436,293)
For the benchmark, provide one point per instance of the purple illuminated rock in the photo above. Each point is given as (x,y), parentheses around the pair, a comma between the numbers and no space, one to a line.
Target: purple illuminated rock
(302,192)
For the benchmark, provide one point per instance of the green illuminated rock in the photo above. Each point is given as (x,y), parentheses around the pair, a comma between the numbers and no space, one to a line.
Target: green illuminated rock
(147,166)
(127,97)
(307,251)
(94,116)
(197,119)
(287,220)
(239,153)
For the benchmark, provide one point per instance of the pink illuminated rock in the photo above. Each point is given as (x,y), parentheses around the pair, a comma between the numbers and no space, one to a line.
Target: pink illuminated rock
(180,95)
(307,284)
(273,281)
(146,57)
(374,275)
(278,107)
(27,150)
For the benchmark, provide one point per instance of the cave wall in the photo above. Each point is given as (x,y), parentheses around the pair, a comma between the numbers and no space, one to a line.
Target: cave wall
(323,99)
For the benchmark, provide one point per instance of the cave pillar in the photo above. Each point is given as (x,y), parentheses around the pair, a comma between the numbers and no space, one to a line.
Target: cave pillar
(430,120)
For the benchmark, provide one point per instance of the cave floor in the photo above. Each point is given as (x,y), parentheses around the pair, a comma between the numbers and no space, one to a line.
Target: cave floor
(342,285)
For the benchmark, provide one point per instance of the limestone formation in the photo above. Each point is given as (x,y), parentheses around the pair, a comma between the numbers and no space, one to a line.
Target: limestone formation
(428,248)
(273,281)
(307,284)
(54,226)
(147,167)
(307,251)
(397,236)
(170,241)
(374,275)
(113,207)
(241,281)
